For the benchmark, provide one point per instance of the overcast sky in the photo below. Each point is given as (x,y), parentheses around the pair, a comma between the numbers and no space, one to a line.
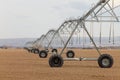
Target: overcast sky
(32,18)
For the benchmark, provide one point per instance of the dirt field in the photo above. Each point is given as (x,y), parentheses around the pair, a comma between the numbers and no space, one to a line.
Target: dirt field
(18,64)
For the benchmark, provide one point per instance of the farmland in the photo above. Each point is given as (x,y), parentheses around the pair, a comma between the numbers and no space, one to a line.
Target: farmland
(18,64)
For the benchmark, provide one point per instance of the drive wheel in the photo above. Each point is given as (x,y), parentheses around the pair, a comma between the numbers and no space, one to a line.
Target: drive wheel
(105,61)
(56,61)
(43,54)
(70,54)
(36,51)
(32,51)
(54,50)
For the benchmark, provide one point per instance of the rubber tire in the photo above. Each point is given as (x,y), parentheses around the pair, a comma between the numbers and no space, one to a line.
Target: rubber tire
(45,53)
(54,50)
(33,50)
(29,50)
(47,50)
(105,56)
(36,51)
(52,60)
(70,51)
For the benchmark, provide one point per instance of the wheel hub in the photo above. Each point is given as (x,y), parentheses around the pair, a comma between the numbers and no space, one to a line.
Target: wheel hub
(56,60)
(105,62)
(42,54)
(70,54)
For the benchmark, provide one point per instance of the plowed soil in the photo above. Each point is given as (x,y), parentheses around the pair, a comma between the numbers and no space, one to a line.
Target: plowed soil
(18,64)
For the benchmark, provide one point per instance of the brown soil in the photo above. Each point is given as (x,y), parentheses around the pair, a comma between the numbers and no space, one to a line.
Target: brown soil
(18,64)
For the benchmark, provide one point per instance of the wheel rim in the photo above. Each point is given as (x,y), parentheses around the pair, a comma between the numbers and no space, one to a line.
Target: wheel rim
(47,50)
(36,51)
(56,61)
(106,62)
(54,51)
(43,54)
(70,54)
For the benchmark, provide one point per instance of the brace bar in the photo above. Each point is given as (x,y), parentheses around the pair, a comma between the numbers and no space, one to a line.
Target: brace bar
(80,59)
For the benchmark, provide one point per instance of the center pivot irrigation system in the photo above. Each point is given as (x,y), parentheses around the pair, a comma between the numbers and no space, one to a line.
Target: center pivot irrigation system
(99,13)
(32,46)
(42,45)
(104,60)
(45,46)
